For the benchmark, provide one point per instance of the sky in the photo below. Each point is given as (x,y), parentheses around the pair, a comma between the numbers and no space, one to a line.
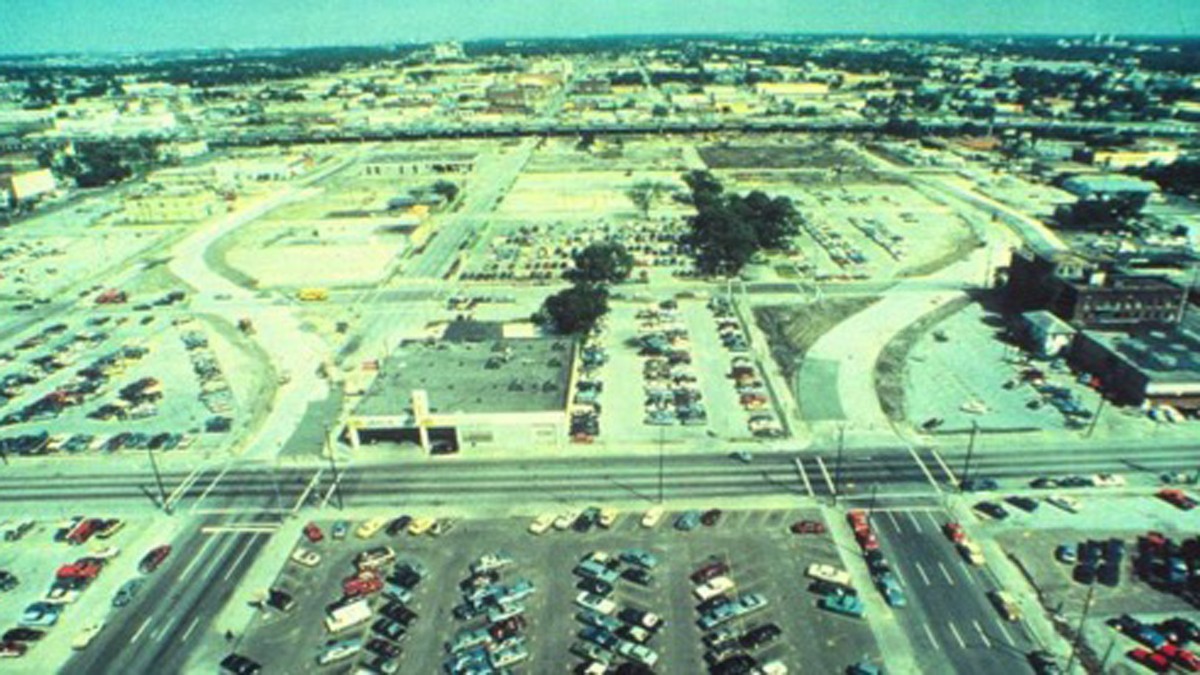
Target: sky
(40,26)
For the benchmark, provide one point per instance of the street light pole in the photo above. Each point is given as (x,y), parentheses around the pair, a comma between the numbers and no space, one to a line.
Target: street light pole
(162,491)
(970,453)
(1087,606)
(337,483)
(1096,417)
(661,480)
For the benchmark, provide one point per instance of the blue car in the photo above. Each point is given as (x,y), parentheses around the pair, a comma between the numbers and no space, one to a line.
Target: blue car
(688,521)
(642,558)
(41,614)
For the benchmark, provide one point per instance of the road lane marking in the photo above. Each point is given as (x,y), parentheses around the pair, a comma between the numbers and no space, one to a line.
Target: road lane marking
(185,484)
(946,573)
(932,521)
(915,524)
(234,566)
(924,469)
(982,635)
(932,640)
(958,637)
(1007,636)
(825,473)
(210,487)
(312,484)
(804,477)
(188,632)
(945,469)
(138,634)
(196,559)
(921,571)
(895,523)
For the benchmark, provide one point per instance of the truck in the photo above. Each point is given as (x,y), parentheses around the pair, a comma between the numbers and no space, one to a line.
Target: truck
(313,294)
(348,616)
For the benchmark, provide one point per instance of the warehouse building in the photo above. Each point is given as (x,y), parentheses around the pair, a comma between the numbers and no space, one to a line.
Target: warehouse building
(475,387)
(404,164)
(1158,365)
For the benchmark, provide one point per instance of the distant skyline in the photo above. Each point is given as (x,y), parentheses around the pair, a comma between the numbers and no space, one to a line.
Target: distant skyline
(52,26)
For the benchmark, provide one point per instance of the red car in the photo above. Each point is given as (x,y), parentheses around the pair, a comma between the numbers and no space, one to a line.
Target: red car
(154,558)
(866,539)
(84,530)
(1156,662)
(858,520)
(82,569)
(1182,657)
(711,517)
(712,570)
(13,649)
(364,583)
(954,532)
(1178,498)
(507,628)
(313,532)
(808,527)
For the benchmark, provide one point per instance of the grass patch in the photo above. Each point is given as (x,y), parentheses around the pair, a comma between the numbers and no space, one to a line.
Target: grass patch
(792,330)
(892,365)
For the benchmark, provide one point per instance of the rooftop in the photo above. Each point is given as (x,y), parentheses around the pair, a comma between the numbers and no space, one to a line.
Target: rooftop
(399,157)
(1163,354)
(473,370)
(1089,185)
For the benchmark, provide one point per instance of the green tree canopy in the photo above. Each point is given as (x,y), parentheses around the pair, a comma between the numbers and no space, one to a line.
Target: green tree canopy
(604,262)
(575,309)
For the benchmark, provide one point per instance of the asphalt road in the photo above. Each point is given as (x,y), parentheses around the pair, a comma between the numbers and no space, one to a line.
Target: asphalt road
(575,480)
(175,607)
(949,619)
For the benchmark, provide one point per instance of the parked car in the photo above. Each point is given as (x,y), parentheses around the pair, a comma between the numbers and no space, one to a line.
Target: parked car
(687,521)
(992,509)
(313,532)
(152,560)
(807,527)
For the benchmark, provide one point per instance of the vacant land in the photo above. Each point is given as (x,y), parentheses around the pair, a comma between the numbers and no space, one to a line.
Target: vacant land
(792,330)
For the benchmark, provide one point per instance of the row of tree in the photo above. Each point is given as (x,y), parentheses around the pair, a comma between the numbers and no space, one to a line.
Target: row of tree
(578,308)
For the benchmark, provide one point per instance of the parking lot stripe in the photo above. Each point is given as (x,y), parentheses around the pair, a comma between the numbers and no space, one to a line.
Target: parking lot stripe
(945,469)
(946,573)
(921,571)
(185,485)
(957,636)
(312,484)
(983,635)
(895,523)
(932,521)
(825,473)
(913,519)
(804,477)
(924,469)
(234,566)
(932,640)
(187,633)
(140,630)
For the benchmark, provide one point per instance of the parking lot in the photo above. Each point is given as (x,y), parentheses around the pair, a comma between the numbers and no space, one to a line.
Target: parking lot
(148,378)
(762,557)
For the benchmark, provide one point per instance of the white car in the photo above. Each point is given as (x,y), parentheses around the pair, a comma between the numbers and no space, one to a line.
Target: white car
(1065,502)
(713,588)
(653,516)
(370,528)
(1108,480)
(106,552)
(828,573)
(542,524)
(306,557)
(608,516)
(85,636)
(596,603)
(566,519)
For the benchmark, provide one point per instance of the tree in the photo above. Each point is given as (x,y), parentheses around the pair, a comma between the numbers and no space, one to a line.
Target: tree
(575,309)
(446,189)
(722,242)
(704,186)
(644,193)
(605,262)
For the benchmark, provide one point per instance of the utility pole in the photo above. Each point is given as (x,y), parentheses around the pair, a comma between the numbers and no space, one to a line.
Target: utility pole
(162,491)
(1096,417)
(970,452)
(1087,606)
(337,483)
(837,466)
(1107,653)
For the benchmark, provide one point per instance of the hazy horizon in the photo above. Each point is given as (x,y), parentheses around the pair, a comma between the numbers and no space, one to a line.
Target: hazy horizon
(80,26)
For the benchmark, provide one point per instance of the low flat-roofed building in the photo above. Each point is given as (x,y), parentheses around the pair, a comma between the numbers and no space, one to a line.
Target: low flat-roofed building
(1049,335)
(28,185)
(164,205)
(406,164)
(1108,186)
(476,386)
(1158,364)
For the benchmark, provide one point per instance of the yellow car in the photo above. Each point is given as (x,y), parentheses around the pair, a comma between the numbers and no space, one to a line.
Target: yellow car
(542,523)
(370,528)
(608,516)
(420,525)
